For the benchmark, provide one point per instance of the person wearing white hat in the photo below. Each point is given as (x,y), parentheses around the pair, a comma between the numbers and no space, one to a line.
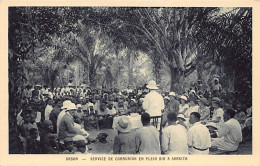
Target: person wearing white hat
(181,121)
(216,88)
(65,104)
(153,102)
(124,142)
(66,126)
(183,105)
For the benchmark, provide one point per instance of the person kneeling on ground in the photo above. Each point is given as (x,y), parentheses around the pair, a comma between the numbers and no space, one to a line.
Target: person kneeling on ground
(229,134)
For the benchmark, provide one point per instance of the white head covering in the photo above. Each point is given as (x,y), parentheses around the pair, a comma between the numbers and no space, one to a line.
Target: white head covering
(66,103)
(172,94)
(151,85)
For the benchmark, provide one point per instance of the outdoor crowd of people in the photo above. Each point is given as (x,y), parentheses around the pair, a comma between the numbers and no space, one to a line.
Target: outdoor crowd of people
(57,121)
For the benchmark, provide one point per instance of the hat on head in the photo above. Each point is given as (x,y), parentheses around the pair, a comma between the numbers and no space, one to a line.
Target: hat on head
(123,125)
(181,116)
(71,106)
(79,106)
(184,98)
(68,139)
(215,100)
(151,85)
(203,100)
(212,125)
(65,104)
(172,94)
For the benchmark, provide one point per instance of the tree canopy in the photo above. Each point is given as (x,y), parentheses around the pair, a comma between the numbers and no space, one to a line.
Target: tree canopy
(100,46)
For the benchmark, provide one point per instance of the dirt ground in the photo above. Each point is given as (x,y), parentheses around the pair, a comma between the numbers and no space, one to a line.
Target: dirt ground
(107,148)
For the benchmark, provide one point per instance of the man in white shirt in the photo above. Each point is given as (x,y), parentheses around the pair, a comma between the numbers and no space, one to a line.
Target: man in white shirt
(174,137)
(199,139)
(229,134)
(153,102)
(147,138)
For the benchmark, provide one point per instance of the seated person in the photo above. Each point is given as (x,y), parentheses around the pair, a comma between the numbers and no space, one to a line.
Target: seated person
(124,142)
(166,110)
(229,134)
(181,121)
(79,112)
(67,127)
(26,126)
(69,146)
(218,112)
(193,107)
(48,139)
(33,145)
(81,147)
(92,116)
(203,109)
(174,137)
(122,108)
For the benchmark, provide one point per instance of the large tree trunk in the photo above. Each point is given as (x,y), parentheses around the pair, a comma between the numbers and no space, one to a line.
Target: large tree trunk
(130,67)
(92,77)
(174,78)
